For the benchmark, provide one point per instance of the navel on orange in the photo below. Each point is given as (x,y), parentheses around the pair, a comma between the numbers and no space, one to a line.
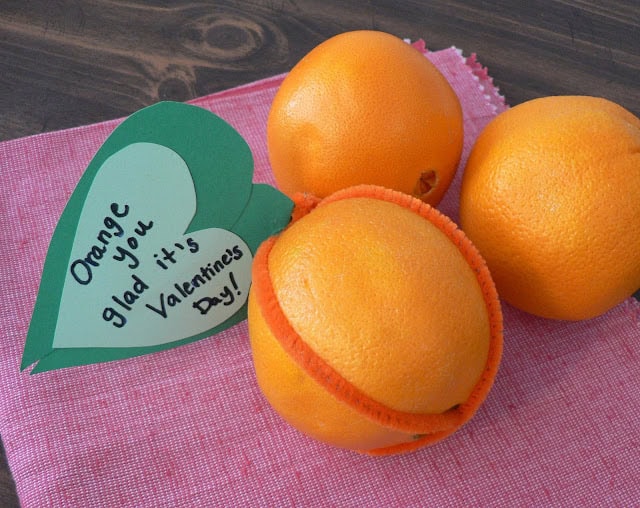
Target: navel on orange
(374,323)
(365,107)
(551,198)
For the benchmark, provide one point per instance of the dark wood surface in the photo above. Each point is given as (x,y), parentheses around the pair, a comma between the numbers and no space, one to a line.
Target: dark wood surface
(66,63)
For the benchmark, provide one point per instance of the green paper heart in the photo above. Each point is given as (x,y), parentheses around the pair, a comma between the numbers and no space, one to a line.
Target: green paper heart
(154,248)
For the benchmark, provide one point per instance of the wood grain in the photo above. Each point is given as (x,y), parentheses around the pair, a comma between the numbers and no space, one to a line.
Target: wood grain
(69,63)
(8,496)
(66,63)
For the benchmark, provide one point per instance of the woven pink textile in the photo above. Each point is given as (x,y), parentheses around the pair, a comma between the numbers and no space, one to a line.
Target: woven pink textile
(189,427)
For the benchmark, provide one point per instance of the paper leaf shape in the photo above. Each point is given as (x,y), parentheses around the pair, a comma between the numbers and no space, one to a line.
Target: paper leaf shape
(155,245)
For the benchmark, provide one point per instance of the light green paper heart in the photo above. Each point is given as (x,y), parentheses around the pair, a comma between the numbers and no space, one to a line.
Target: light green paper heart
(136,289)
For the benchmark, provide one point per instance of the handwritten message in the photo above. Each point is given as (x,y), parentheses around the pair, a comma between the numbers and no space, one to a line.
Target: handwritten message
(82,270)
(134,278)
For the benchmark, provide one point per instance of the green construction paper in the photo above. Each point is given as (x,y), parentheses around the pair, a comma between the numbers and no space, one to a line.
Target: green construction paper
(175,151)
(253,222)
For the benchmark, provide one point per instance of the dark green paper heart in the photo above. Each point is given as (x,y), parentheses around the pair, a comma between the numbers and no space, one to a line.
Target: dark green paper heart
(149,167)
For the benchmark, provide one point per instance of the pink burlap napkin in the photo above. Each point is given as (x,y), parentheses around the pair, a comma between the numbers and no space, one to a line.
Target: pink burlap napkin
(189,427)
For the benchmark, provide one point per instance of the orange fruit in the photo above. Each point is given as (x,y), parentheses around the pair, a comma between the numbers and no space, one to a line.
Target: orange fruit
(551,197)
(359,102)
(374,323)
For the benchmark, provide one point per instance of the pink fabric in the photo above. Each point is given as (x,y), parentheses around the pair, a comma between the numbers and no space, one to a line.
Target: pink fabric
(189,427)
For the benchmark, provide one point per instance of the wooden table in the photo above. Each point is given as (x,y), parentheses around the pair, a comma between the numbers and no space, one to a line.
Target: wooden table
(69,63)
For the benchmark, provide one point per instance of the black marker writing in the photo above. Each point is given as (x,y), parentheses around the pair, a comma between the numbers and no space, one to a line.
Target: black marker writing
(169,256)
(81,269)
(125,301)
(225,297)
(184,289)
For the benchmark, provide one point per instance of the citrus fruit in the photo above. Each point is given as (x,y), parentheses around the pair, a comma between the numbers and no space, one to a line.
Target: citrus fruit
(359,102)
(551,197)
(374,322)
